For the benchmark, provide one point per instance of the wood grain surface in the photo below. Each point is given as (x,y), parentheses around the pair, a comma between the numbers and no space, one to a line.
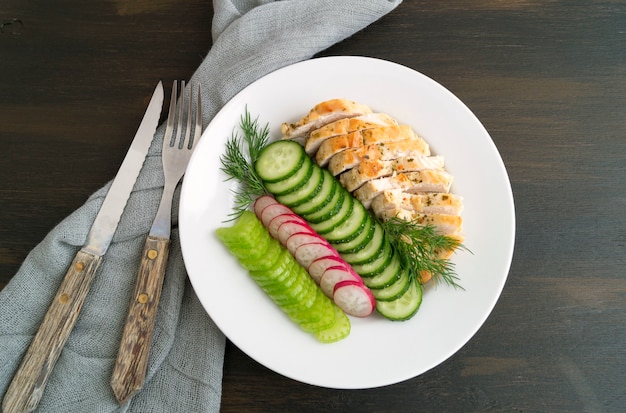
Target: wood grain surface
(30,380)
(129,371)
(547,78)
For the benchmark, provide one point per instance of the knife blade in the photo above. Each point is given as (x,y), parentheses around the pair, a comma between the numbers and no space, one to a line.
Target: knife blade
(28,383)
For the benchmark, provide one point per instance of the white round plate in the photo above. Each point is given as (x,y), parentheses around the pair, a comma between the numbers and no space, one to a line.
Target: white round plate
(377,352)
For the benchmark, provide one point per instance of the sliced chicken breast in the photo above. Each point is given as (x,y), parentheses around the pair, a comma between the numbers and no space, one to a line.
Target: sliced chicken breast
(357,139)
(444,224)
(426,276)
(322,114)
(426,203)
(446,254)
(373,169)
(429,180)
(345,126)
(387,151)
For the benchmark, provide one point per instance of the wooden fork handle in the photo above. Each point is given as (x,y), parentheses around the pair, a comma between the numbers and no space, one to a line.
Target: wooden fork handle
(132,359)
(32,375)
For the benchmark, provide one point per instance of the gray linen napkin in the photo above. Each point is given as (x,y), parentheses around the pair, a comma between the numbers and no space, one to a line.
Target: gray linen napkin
(250,39)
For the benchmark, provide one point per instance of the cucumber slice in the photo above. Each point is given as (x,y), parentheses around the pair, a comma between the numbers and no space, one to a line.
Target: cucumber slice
(330,208)
(264,262)
(339,218)
(403,307)
(264,248)
(370,251)
(377,265)
(278,272)
(389,275)
(291,296)
(280,160)
(304,193)
(247,227)
(395,290)
(351,227)
(286,282)
(293,182)
(359,242)
(323,196)
(339,330)
(319,316)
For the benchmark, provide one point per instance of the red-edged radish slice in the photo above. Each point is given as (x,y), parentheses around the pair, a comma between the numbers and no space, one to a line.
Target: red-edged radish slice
(261,202)
(317,267)
(354,298)
(272,211)
(278,220)
(299,238)
(335,274)
(305,254)
(290,227)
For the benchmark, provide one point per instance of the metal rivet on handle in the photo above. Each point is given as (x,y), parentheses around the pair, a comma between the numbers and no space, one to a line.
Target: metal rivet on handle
(142,298)
(64,298)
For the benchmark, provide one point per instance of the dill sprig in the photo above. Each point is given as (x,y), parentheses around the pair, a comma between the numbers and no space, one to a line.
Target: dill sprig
(419,247)
(238,161)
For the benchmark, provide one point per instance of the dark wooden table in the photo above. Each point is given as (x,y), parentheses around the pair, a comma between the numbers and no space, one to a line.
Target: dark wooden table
(546,78)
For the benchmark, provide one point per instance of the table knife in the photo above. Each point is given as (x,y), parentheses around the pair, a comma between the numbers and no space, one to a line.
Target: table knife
(28,383)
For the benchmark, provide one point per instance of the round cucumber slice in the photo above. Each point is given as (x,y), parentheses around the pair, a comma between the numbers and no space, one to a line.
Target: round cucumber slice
(378,265)
(339,330)
(293,182)
(338,218)
(323,196)
(403,307)
(328,210)
(351,227)
(395,290)
(304,193)
(357,243)
(280,160)
(370,251)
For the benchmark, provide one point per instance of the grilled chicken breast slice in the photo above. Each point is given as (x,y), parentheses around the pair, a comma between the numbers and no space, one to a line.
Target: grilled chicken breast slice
(429,180)
(345,126)
(387,151)
(357,139)
(322,114)
(426,276)
(426,203)
(444,224)
(372,169)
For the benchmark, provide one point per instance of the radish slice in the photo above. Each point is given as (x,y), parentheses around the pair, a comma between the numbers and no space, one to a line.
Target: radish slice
(354,298)
(305,254)
(272,211)
(261,203)
(277,221)
(290,227)
(299,238)
(335,274)
(336,278)
(317,267)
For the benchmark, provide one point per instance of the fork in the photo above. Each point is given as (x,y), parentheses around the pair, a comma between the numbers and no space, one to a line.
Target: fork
(132,359)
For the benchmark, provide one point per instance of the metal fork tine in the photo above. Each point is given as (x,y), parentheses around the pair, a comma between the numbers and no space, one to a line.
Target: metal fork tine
(181,145)
(181,112)
(198,128)
(171,115)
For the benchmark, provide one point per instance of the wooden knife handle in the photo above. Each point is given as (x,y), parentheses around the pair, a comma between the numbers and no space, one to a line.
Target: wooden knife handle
(132,359)
(30,380)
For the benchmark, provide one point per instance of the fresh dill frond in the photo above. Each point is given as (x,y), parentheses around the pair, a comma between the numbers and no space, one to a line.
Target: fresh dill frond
(419,247)
(238,162)
(255,138)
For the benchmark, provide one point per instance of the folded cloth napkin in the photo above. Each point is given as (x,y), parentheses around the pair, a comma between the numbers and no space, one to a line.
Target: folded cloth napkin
(250,39)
